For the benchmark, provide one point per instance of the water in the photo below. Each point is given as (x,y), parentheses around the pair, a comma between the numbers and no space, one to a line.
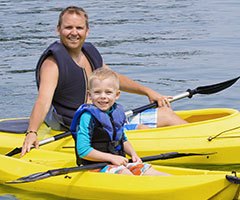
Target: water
(167,45)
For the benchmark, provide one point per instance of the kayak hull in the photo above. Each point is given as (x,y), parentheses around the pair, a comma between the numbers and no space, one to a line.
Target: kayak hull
(181,184)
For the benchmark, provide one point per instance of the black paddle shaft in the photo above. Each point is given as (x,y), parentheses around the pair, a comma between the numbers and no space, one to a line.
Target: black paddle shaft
(62,171)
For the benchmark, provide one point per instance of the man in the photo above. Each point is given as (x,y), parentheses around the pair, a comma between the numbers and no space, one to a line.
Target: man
(62,73)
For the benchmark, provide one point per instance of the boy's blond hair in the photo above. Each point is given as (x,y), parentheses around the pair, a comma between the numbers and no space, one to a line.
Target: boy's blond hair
(102,74)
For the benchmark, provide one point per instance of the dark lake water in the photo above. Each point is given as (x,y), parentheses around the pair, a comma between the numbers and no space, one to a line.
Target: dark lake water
(168,45)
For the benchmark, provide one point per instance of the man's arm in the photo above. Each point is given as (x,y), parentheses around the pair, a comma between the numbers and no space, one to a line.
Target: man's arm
(128,85)
(48,84)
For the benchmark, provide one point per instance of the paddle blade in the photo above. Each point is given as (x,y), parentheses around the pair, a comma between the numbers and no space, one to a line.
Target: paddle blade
(31,178)
(15,151)
(211,89)
(233,179)
(55,172)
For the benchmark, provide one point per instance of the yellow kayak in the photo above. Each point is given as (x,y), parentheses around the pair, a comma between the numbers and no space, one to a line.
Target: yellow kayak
(182,184)
(213,130)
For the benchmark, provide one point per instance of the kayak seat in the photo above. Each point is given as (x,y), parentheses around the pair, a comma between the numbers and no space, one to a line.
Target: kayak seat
(14,126)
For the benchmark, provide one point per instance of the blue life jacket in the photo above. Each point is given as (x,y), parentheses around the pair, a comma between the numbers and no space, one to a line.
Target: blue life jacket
(107,135)
(72,83)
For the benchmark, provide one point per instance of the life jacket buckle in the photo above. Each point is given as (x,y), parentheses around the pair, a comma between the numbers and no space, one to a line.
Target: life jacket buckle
(115,143)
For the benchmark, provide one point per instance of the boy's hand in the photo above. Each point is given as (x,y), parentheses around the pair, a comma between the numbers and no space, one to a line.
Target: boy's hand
(119,160)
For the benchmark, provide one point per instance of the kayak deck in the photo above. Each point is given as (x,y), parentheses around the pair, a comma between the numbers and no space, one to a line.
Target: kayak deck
(220,124)
(20,125)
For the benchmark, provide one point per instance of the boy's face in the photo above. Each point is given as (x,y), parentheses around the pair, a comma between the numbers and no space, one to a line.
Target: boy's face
(104,93)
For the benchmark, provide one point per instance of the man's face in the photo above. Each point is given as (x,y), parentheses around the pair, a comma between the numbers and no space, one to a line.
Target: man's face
(73,30)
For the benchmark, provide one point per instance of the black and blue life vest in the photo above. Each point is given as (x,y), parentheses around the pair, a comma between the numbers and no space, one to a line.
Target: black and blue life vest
(72,83)
(107,135)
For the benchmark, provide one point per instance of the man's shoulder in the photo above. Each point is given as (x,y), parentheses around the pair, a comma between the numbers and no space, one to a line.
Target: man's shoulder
(91,51)
(88,45)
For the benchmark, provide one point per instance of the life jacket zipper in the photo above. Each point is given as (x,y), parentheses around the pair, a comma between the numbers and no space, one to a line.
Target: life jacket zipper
(86,84)
(114,128)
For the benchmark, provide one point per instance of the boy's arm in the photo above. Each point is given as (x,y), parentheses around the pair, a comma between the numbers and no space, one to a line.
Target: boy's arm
(83,143)
(129,150)
(99,156)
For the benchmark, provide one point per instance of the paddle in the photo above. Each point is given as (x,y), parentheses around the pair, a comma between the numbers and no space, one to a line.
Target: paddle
(61,171)
(209,89)
(42,142)
(233,179)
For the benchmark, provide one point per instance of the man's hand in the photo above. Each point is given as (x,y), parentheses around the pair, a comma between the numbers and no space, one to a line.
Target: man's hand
(30,139)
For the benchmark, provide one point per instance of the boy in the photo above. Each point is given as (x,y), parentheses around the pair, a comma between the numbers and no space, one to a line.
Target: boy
(98,129)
